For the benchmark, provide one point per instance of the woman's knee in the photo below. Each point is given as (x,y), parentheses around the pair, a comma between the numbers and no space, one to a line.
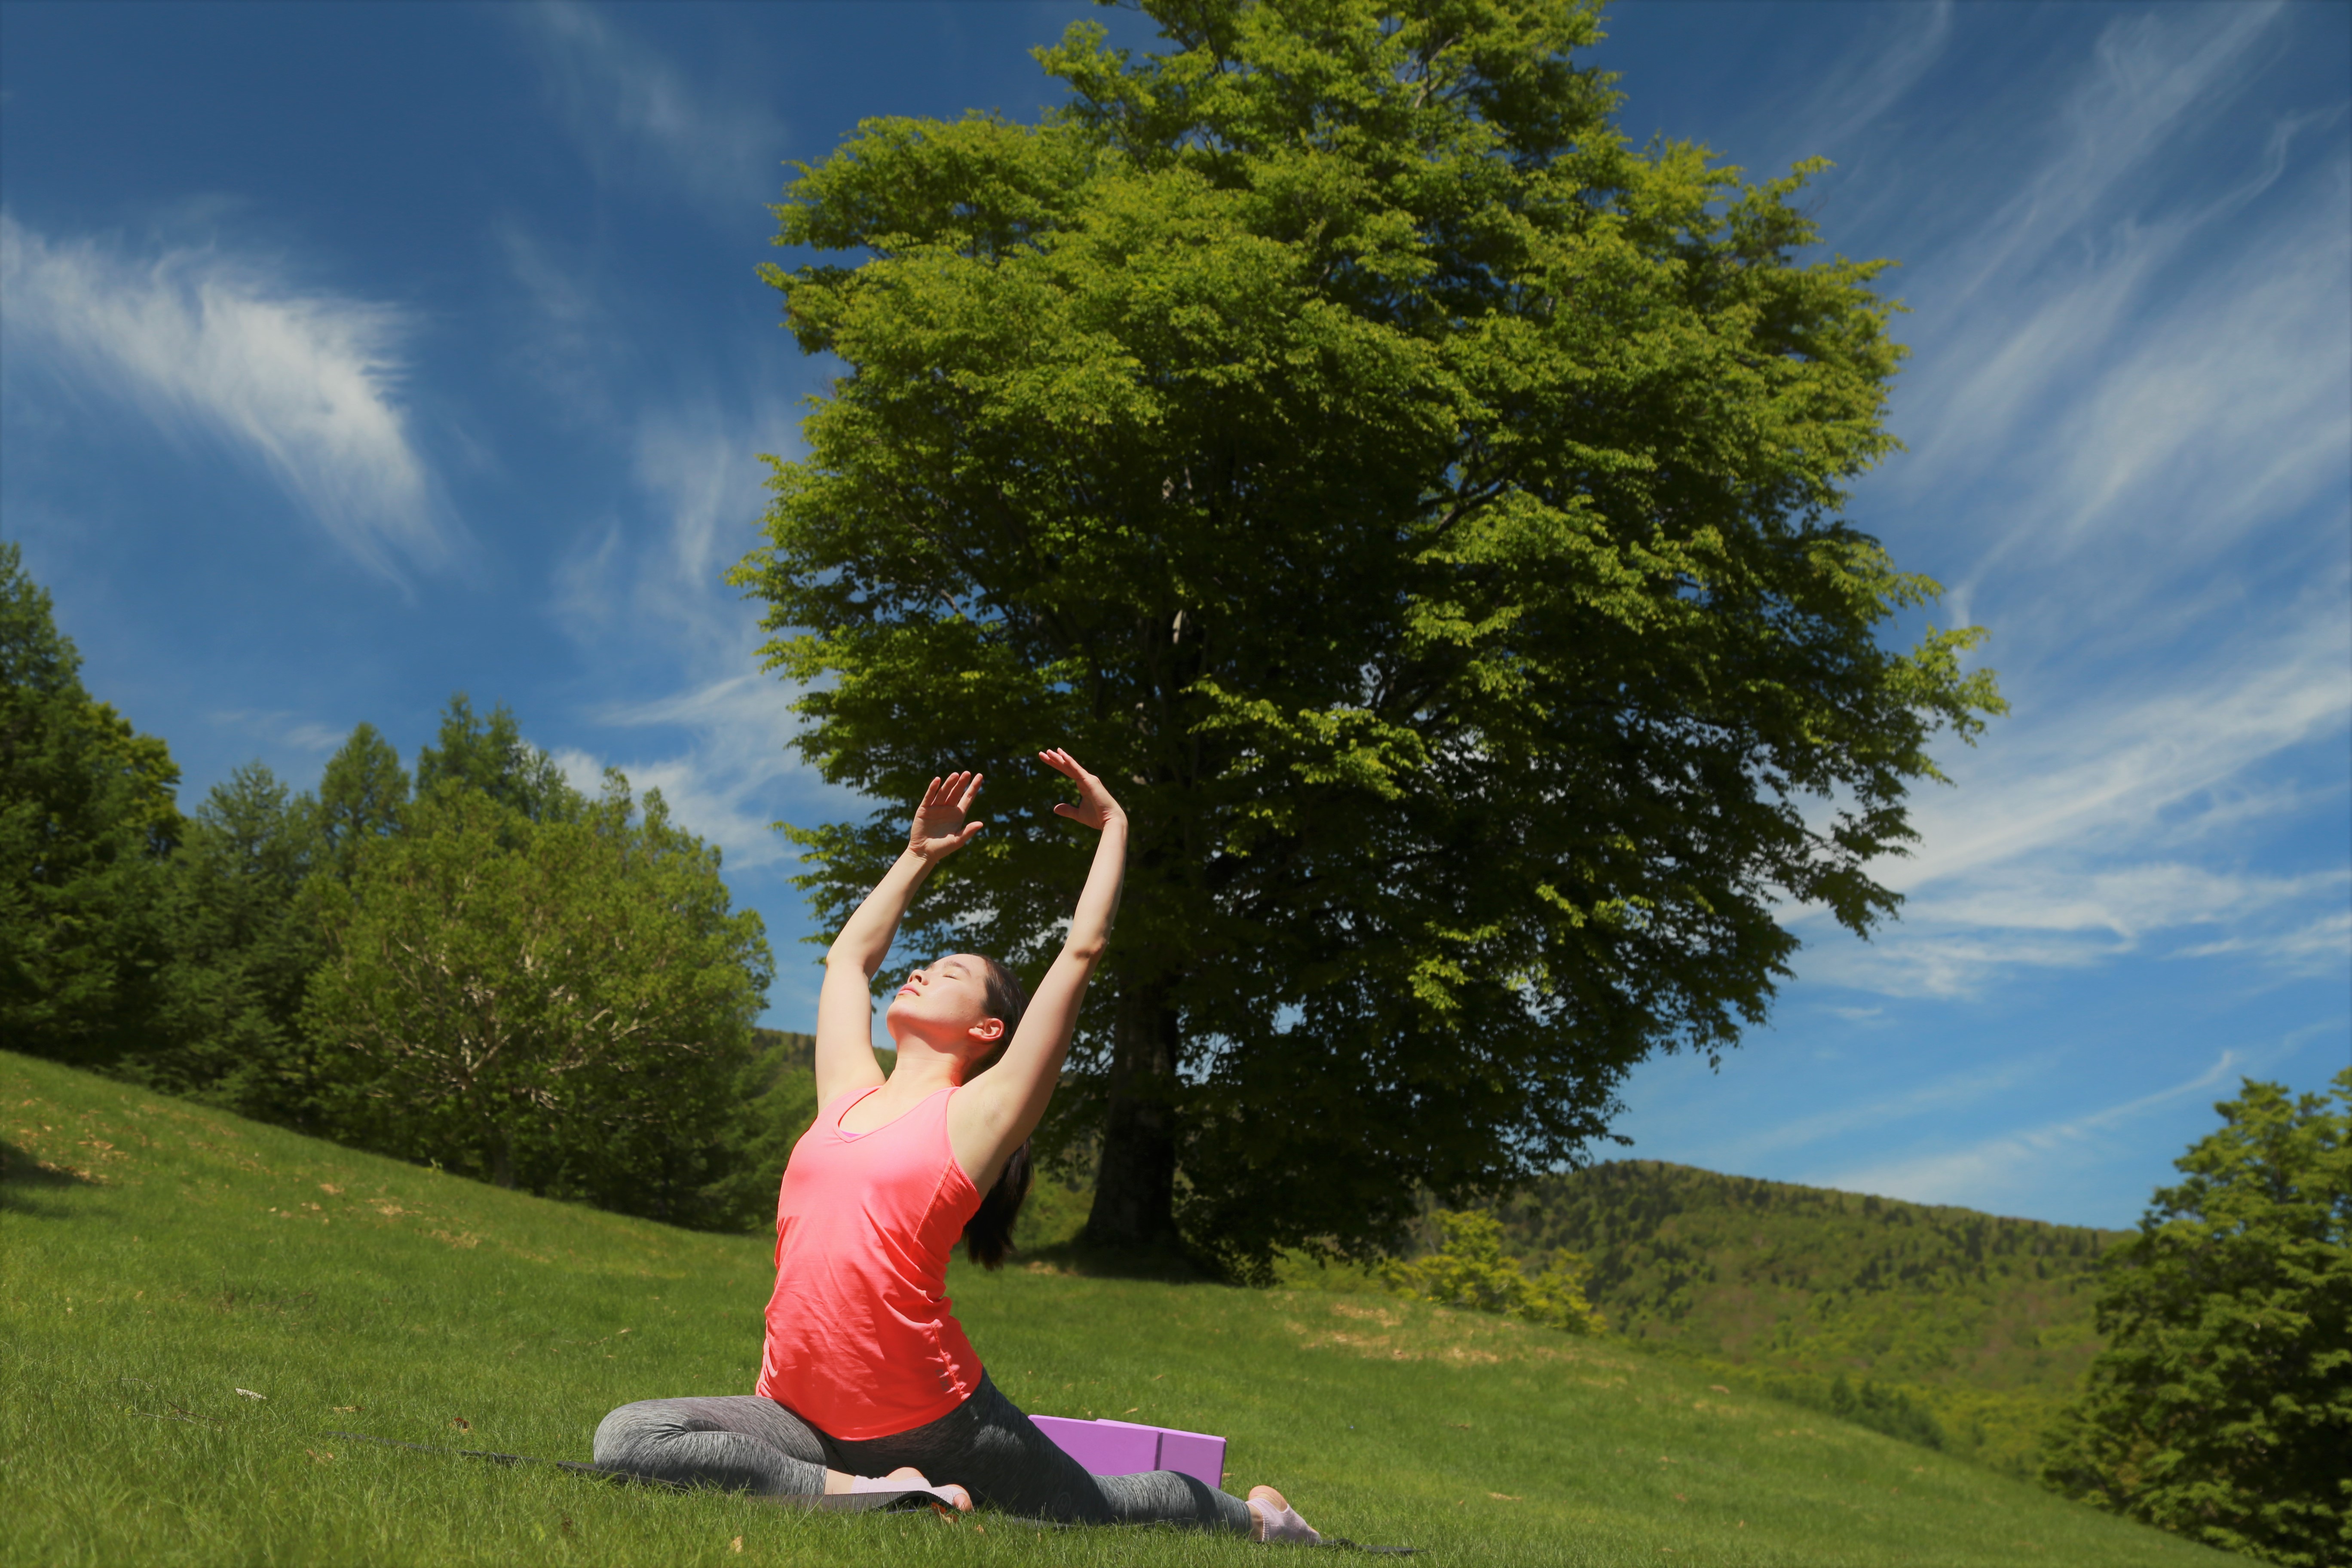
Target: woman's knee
(631,1427)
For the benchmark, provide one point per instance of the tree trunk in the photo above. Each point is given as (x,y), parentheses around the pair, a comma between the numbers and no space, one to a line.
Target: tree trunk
(1135,1186)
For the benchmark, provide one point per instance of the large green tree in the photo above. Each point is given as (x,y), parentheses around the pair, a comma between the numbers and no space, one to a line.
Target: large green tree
(2222,1408)
(564,1005)
(1425,508)
(87,820)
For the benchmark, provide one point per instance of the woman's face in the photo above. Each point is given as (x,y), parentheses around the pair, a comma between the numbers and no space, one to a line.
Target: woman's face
(946,1002)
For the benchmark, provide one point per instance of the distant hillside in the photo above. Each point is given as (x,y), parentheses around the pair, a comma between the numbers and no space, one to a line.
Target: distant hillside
(1984,1322)
(788,1050)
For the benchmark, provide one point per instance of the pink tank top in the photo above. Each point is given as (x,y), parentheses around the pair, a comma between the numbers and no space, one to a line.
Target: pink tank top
(861,1338)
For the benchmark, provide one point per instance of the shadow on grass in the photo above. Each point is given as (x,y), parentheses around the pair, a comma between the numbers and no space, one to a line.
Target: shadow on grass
(1169,1265)
(26,1180)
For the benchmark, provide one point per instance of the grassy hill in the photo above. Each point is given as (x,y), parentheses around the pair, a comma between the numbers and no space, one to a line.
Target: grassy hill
(156,1256)
(1983,1321)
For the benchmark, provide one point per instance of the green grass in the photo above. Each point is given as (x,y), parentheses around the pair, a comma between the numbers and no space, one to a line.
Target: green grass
(156,1256)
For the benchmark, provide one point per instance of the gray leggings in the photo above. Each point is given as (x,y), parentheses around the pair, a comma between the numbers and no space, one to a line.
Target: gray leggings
(747,1443)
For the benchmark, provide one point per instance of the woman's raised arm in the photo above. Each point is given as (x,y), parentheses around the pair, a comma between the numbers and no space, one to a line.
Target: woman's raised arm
(844,1007)
(996,1112)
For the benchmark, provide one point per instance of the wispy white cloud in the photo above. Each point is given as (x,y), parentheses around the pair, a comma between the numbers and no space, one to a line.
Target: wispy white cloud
(564,335)
(2012,1167)
(723,761)
(699,474)
(637,117)
(1904,43)
(2079,831)
(283,728)
(706,479)
(2316,948)
(2146,423)
(2152,77)
(1944,1096)
(303,380)
(2130,410)
(306,382)
(735,774)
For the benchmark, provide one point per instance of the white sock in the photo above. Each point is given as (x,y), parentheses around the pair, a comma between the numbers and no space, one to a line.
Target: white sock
(1282,1523)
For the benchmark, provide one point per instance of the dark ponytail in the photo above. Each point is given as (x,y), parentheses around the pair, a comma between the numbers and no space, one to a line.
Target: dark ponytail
(989,1233)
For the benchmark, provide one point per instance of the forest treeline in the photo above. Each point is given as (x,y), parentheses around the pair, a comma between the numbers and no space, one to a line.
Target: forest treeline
(472,962)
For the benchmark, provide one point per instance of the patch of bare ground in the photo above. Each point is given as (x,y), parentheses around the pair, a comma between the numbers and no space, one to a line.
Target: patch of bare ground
(1413,1331)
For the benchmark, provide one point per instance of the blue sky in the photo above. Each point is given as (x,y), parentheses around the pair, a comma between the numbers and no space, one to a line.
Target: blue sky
(351,355)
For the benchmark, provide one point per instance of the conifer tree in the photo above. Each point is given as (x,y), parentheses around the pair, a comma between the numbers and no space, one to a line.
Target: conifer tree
(87,819)
(241,951)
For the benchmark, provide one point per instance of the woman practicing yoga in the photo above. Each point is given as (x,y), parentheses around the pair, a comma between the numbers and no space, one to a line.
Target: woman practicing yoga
(869,1381)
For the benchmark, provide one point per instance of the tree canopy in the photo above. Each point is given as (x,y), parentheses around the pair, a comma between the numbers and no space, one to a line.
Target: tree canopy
(87,818)
(2222,1408)
(496,972)
(1426,507)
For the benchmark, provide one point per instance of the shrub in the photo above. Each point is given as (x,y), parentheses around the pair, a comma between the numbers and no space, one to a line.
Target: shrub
(1471,1270)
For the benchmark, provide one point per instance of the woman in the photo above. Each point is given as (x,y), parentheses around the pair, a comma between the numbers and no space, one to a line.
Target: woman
(868,1381)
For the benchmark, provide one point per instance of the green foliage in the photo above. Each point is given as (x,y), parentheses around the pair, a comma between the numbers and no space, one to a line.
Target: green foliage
(1887,1410)
(500,975)
(775,1097)
(1426,506)
(1983,1324)
(563,1005)
(2222,1408)
(1468,1269)
(86,817)
(362,796)
(486,757)
(156,1256)
(242,951)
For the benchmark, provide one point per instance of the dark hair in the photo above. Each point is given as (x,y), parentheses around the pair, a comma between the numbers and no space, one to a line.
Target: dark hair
(988,1236)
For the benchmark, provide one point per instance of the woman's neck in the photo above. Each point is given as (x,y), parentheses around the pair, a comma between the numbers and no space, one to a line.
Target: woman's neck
(920,1067)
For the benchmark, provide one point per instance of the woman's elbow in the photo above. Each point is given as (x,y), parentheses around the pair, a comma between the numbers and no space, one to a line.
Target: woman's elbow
(1086,953)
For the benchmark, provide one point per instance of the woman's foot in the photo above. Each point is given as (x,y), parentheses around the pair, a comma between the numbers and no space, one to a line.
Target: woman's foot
(905,1477)
(1276,1519)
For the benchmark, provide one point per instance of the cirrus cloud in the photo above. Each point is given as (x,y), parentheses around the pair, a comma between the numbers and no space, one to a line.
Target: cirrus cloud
(305,383)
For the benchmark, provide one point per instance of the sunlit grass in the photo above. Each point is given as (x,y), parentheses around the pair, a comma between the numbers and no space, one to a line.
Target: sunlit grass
(170,1255)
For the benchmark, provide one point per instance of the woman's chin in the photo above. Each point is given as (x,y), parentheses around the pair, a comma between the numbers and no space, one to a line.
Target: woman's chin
(903,1023)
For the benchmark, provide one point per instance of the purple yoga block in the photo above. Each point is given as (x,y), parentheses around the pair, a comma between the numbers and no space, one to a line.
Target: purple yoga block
(1194,1454)
(1125,1448)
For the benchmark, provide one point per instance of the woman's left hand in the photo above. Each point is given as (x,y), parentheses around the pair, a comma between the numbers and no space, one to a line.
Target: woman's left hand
(1095,807)
(940,828)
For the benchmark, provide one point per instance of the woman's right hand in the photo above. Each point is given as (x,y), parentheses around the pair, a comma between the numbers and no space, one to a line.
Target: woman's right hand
(940,828)
(1095,807)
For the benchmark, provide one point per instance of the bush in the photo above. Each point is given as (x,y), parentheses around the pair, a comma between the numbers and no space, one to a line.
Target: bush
(1887,1410)
(1471,1270)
